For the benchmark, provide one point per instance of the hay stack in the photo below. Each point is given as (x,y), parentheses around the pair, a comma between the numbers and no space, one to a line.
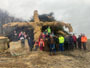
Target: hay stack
(3,44)
(37,25)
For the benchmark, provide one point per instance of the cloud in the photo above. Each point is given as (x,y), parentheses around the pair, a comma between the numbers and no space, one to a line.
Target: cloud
(76,12)
(4,4)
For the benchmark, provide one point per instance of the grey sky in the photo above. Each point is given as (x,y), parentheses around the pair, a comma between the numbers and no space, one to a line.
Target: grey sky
(76,12)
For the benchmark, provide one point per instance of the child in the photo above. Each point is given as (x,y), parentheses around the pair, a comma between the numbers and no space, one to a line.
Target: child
(43,36)
(36,45)
(41,44)
(22,38)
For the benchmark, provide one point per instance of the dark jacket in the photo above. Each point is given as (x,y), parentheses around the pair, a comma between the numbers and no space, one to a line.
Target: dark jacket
(79,39)
(15,37)
(30,42)
(70,40)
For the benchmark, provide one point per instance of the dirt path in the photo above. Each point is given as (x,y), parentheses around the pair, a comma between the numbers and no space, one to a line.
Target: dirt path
(74,59)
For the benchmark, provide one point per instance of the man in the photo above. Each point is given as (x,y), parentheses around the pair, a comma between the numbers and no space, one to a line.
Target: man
(79,41)
(61,43)
(56,42)
(84,41)
(15,36)
(52,45)
(66,42)
(70,42)
(75,40)
(30,43)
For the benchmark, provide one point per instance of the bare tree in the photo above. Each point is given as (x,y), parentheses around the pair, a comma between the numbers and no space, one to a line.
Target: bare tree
(6,18)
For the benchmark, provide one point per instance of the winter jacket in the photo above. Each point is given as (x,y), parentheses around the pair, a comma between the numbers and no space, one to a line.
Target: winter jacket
(74,38)
(83,39)
(70,40)
(79,39)
(52,41)
(41,42)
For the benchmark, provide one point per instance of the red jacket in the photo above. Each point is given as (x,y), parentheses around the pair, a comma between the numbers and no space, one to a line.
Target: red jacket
(74,38)
(41,42)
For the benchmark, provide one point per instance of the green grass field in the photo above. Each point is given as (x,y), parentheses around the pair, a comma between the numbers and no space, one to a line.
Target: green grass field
(88,39)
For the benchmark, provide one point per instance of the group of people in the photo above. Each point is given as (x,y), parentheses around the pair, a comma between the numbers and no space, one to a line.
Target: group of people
(60,43)
(73,42)
(22,36)
(54,43)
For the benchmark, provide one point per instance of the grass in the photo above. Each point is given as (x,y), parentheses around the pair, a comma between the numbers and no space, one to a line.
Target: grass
(88,39)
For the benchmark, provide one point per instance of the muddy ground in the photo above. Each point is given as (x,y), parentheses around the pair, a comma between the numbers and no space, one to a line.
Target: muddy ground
(39,59)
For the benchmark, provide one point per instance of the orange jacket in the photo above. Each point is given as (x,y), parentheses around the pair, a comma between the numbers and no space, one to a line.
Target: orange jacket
(83,39)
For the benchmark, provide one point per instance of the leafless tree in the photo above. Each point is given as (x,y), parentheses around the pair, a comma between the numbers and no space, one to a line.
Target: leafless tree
(6,18)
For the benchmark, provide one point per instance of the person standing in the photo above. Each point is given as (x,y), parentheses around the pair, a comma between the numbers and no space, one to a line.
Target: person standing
(15,36)
(66,45)
(36,45)
(84,41)
(25,35)
(49,30)
(30,43)
(22,38)
(56,42)
(70,42)
(52,45)
(79,42)
(41,44)
(61,43)
(75,40)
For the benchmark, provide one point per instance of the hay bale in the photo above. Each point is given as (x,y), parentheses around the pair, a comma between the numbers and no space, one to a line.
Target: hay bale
(37,25)
(63,33)
(16,48)
(3,44)
(37,32)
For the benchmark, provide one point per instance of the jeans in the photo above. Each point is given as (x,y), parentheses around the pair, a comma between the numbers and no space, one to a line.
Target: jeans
(79,45)
(61,47)
(52,48)
(84,45)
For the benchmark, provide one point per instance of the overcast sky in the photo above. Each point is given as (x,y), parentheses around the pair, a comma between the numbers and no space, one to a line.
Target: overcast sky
(76,12)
